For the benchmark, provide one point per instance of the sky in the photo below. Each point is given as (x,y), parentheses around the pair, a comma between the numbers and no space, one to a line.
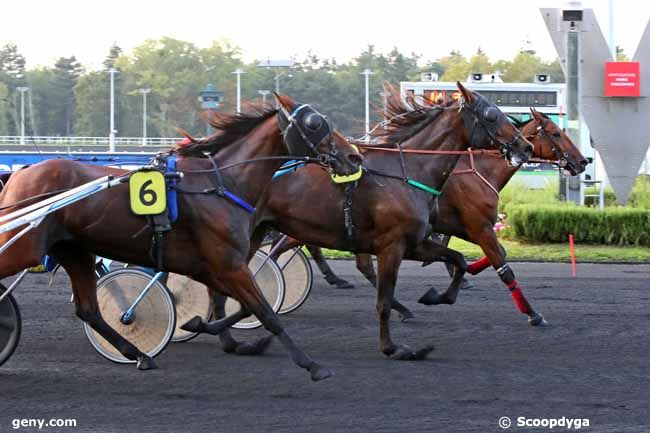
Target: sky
(46,30)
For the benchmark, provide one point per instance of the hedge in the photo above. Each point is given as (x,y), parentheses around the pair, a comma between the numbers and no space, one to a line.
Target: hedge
(553,223)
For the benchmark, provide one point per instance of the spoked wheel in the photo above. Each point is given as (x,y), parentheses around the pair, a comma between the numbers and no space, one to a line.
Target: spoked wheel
(10,326)
(191,299)
(152,325)
(270,281)
(298,277)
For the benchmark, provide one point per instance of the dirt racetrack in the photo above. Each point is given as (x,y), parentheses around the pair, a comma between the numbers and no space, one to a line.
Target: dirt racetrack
(592,362)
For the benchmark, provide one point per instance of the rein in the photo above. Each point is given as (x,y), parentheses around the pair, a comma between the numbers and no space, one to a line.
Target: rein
(493,152)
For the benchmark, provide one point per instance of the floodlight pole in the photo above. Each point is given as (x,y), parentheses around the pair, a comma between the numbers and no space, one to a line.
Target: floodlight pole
(263,93)
(144,114)
(111,135)
(238,72)
(367,73)
(22,91)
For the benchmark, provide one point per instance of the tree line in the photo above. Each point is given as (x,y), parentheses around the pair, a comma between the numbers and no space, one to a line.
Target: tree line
(67,99)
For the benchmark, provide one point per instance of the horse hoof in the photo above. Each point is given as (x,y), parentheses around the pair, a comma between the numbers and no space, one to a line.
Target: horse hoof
(431,297)
(257,348)
(146,363)
(537,320)
(318,372)
(193,325)
(406,315)
(423,353)
(405,353)
(343,284)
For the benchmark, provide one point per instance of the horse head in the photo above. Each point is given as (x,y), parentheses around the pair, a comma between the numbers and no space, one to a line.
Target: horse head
(307,132)
(484,122)
(555,144)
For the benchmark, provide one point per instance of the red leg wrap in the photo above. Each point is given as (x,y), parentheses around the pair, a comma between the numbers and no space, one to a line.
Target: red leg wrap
(519,298)
(478,266)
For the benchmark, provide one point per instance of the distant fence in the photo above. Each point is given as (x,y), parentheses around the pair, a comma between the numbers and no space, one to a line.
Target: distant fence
(15,140)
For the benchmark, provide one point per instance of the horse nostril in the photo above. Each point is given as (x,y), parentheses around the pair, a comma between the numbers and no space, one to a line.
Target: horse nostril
(529,148)
(355,158)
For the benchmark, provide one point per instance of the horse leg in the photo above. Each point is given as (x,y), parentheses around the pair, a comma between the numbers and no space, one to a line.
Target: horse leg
(221,326)
(366,267)
(80,266)
(429,250)
(330,276)
(495,255)
(241,285)
(465,284)
(388,265)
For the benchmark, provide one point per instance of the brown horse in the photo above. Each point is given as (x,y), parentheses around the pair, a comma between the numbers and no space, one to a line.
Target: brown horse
(479,177)
(385,215)
(210,240)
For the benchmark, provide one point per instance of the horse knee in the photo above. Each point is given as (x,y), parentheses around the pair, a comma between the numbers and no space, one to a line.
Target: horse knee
(383,310)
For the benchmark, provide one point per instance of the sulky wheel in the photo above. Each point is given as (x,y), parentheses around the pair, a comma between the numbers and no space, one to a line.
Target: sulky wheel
(10,325)
(270,281)
(191,299)
(298,277)
(152,325)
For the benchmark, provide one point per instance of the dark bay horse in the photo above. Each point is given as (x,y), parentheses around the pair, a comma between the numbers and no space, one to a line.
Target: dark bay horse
(210,240)
(388,217)
(482,177)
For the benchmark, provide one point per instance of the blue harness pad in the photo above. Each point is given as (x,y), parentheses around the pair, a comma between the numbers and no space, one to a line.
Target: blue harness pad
(172,199)
(288,167)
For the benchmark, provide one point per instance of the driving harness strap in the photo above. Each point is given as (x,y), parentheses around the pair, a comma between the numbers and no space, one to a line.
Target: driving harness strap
(473,170)
(162,223)
(347,211)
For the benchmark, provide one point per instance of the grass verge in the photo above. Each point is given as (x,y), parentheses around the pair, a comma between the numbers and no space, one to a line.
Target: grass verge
(518,251)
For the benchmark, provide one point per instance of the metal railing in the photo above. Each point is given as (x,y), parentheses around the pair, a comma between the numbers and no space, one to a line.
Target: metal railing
(13,140)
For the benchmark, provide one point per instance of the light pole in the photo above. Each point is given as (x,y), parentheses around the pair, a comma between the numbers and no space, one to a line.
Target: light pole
(264,93)
(367,73)
(22,91)
(144,93)
(238,72)
(276,65)
(111,134)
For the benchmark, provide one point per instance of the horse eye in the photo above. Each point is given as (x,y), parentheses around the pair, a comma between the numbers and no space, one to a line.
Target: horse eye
(557,134)
(313,121)
(490,114)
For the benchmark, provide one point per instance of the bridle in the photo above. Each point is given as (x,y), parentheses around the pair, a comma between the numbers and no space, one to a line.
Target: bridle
(478,120)
(292,123)
(560,155)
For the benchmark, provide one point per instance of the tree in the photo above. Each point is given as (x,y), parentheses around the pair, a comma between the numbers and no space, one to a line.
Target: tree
(456,66)
(92,105)
(66,73)
(12,74)
(480,63)
(114,52)
(4,109)
(620,55)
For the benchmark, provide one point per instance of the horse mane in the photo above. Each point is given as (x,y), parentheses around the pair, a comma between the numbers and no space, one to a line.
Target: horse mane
(408,116)
(230,128)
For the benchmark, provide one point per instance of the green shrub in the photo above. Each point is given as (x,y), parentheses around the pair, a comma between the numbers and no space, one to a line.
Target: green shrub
(517,193)
(553,223)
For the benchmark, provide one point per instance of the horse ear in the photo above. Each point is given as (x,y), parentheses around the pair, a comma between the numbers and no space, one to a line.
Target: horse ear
(536,114)
(285,101)
(467,94)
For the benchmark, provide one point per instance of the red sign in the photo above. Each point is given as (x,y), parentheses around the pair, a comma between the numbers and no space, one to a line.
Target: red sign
(622,79)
